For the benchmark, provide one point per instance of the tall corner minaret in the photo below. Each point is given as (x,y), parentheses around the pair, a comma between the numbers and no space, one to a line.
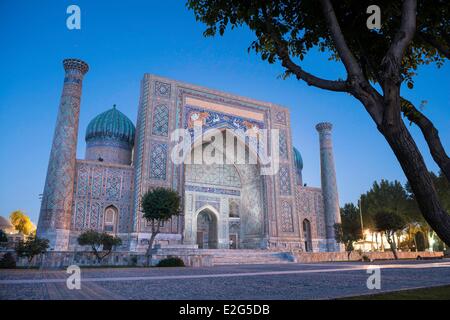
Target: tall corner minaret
(56,207)
(329,186)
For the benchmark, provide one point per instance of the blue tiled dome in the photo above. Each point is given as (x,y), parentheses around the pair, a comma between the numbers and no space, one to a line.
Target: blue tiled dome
(298,161)
(111,124)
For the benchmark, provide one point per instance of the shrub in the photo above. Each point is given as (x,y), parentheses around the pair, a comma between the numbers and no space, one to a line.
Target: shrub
(171,262)
(133,261)
(7,261)
(32,247)
(365,258)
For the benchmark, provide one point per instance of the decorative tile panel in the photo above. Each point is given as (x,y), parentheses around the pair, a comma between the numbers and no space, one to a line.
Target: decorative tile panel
(158,161)
(287,224)
(280,117)
(285,180)
(283,145)
(162,89)
(160,126)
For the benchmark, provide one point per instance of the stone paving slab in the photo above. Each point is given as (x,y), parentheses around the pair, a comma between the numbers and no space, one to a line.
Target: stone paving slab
(285,281)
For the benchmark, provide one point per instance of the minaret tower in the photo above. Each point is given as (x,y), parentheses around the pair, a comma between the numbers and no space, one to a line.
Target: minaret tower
(56,206)
(329,186)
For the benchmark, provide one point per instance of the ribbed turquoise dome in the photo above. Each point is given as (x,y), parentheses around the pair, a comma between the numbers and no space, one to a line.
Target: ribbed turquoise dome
(298,161)
(111,124)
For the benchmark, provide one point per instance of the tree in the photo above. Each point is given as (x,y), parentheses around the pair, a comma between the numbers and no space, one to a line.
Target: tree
(99,242)
(21,222)
(3,237)
(158,206)
(31,247)
(349,230)
(377,63)
(386,196)
(389,223)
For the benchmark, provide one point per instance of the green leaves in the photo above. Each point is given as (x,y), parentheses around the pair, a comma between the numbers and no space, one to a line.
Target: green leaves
(96,239)
(390,222)
(160,204)
(302,25)
(31,247)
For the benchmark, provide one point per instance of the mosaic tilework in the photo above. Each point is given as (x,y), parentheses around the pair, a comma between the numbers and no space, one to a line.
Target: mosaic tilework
(283,145)
(285,180)
(98,186)
(280,117)
(309,203)
(215,174)
(287,224)
(57,197)
(139,150)
(158,161)
(213,190)
(206,200)
(160,126)
(162,89)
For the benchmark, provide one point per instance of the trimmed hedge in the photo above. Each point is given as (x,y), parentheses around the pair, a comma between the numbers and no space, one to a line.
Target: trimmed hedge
(171,262)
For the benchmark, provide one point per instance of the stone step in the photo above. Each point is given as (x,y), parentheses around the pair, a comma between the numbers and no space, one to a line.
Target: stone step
(252,258)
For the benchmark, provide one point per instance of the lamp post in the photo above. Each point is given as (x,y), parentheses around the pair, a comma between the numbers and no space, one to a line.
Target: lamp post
(360,216)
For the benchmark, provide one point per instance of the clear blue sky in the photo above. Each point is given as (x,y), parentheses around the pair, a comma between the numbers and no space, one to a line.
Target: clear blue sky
(122,40)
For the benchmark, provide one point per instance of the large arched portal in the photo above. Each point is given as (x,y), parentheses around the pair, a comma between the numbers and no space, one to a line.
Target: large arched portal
(234,190)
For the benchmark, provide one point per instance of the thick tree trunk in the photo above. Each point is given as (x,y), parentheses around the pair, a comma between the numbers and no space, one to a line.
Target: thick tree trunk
(413,165)
(391,242)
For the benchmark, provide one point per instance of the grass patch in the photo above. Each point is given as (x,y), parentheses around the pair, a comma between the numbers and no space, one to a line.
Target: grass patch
(435,293)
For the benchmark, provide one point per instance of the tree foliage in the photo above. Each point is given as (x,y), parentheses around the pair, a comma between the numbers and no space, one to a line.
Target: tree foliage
(388,196)
(349,230)
(21,222)
(389,223)
(31,247)
(101,243)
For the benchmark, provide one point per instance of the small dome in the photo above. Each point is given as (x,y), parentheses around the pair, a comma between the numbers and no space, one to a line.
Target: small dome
(5,225)
(111,124)
(298,161)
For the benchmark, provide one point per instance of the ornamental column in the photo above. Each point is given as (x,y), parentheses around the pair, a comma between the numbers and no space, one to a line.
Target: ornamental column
(56,207)
(329,186)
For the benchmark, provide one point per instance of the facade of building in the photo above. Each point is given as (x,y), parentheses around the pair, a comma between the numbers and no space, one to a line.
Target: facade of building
(227,204)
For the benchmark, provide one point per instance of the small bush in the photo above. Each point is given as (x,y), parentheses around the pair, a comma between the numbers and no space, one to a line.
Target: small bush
(7,261)
(171,262)
(133,261)
(365,258)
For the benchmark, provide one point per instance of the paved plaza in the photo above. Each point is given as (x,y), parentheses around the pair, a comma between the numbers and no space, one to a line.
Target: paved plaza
(285,281)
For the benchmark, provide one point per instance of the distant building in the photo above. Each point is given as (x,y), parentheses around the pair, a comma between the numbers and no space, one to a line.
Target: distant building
(226,205)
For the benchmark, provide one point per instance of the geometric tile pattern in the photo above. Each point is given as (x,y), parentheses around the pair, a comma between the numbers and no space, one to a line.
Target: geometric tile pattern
(280,117)
(162,89)
(158,161)
(287,224)
(99,186)
(58,190)
(285,181)
(283,145)
(160,125)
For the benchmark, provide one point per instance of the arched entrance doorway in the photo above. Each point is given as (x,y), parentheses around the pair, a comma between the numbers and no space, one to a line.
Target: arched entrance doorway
(207,237)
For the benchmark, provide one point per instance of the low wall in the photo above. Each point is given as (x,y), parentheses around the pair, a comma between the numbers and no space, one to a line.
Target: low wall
(63,259)
(309,257)
(195,258)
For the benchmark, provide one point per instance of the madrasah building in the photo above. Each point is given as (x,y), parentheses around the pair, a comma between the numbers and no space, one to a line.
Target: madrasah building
(225,205)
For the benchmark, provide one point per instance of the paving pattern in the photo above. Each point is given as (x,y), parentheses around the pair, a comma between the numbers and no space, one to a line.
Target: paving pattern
(283,281)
